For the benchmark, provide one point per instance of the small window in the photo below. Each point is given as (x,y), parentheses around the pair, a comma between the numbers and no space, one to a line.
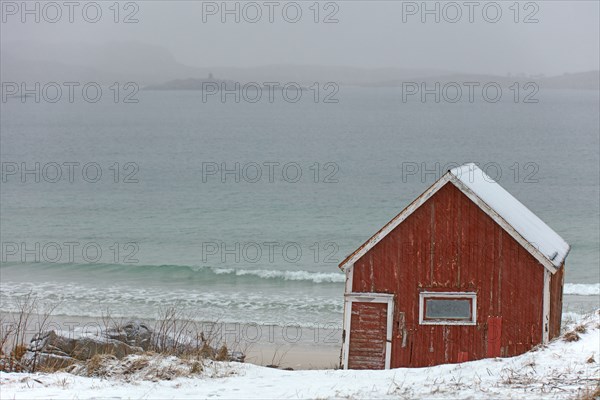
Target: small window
(447,308)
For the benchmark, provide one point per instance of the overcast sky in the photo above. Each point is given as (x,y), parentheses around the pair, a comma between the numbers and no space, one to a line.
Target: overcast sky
(565,37)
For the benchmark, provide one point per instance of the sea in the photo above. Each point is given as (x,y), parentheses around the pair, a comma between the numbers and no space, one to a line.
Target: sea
(241,211)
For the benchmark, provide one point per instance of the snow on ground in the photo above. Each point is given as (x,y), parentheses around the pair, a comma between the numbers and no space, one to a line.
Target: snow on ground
(560,370)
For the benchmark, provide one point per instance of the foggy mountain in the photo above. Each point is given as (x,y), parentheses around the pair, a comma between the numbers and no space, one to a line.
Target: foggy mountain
(145,64)
(589,80)
(148,64)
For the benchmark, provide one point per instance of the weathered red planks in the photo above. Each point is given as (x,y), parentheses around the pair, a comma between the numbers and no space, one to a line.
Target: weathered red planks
(450,244)
(367,336)
(494,336)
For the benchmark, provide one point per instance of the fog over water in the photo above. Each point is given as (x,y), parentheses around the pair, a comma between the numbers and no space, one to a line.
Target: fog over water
(126,187)
(548,38)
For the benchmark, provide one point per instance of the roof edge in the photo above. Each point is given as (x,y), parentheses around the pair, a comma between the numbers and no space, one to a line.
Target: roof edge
(394,222)
(423,197)
(486,208)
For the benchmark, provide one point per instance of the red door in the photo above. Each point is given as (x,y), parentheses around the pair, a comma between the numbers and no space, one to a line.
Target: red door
(368,332)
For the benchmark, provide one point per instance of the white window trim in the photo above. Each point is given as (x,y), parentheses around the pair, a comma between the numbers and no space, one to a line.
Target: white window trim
(546,308)
(429,295)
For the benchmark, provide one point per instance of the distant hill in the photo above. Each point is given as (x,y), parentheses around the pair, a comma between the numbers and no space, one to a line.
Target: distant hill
(209,83)
(212,84)
(583,80)
(577,81)
(148,64)
(156,67)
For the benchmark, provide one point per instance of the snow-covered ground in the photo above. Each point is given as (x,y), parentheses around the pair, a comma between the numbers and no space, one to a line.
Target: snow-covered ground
(560,370)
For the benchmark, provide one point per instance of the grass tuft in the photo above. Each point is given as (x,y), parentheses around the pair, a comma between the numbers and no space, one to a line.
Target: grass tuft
(580,329)
(222,354)
(571,337)
(589,393)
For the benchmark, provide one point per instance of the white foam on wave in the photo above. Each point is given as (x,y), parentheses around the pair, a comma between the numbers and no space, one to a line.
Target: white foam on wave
(244,306)
(582,289)
(316,277)
(223,271)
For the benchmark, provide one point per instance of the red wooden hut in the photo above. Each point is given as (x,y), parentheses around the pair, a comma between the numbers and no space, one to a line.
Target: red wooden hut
(464,272)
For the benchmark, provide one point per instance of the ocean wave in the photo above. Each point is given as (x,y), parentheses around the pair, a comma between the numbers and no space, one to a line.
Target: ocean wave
(582,289)
(316,277)
(121,300)
(173,272)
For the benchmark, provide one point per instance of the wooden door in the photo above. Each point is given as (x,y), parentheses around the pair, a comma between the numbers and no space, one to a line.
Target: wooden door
(368,335)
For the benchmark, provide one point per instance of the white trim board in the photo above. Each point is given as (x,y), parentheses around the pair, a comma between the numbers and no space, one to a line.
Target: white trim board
(546,308)
(347,315)
(368,298)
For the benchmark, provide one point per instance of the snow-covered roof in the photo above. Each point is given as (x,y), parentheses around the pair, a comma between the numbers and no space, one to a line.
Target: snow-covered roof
(522,224)
(526,223)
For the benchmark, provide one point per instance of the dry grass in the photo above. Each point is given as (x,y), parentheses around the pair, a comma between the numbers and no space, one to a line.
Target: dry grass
(222,354)
(148,367)
(580,329)
(95,365)
(196,367)
(50,366)
(590,393)
(571,337)
(174,330)
(19,350)
(15,328)
(278,357)
(207,351)
(175,333)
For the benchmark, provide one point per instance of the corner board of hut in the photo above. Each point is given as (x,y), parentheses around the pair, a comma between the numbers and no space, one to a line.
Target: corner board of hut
(464,272)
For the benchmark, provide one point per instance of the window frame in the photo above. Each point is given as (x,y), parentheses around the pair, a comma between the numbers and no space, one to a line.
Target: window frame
(423,296)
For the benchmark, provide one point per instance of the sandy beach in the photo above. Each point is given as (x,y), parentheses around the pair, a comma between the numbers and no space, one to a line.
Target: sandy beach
(299,348)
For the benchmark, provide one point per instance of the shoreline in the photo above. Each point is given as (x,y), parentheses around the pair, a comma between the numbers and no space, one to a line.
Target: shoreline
(299,348)
(287,346)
